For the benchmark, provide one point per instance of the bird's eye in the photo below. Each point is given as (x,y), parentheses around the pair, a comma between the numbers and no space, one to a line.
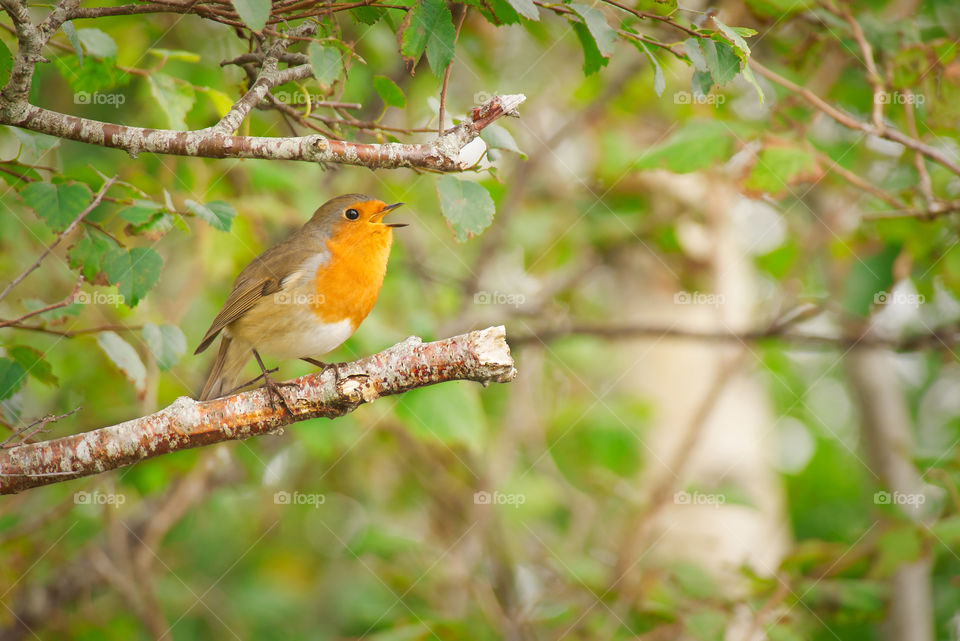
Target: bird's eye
(352,214)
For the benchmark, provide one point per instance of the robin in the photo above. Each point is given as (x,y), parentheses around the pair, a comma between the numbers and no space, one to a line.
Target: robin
(306,295)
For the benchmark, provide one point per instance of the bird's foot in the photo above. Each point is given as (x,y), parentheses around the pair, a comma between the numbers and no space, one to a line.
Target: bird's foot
(273,387)
(325,366)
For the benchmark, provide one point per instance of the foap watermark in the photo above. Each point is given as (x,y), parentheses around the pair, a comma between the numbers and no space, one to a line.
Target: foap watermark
(690,98)
(299,498)
(99,298)
(98,98)
(99,498)
(899,298)
(297,98)
(899,98)
(698,298)
(294,298)
(698,498)
(498,298)
(498,498)
(899,498)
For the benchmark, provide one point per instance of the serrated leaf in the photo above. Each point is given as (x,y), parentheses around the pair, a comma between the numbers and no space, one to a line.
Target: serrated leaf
(57,205)
(254,13)
(97,43)
(140,211)
(217,213)
(497,137)
(175,99)
(125,357)
(12,377)
(92,75)
(367,15)
(722,60)
(696,145)
(601,32)
(466,205)
(70,31)
(593,60)
(695,53)
(33,363)
(134,272)
(175,54)
(430,29)
(526,8)
(659,82)
(733,36)
(389,92)
(87,255)
(166,342)
(326,63)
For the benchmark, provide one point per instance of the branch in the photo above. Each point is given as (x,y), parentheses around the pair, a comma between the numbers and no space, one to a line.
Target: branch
(481,356)
(442,155)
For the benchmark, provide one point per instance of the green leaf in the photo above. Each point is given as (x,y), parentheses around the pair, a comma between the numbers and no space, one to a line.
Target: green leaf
(140,212)
(134,272)
(779,167)
(869,277)
(6,63)
(326,63)
(175,99)
(221,101)
(91,75)
(33,363)
(71,32)
(430,29)
(88,253)
(734,37)
(659,82)
(749,77)
(593,60)
(696,145)
(166,342)
(125,357)
(497,137)
(175,54)
(526,8)
(722,60)
(218,213)
(36,144)
(97,43)
(12,377)
(896,547)
(700,83)
(254,13)
(695,53)
(601,32)
(466,205)
(57,205)
(367,15)
(389,92)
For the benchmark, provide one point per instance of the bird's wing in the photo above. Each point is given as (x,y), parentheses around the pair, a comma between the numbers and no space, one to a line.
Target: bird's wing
(266,274)
(241,300)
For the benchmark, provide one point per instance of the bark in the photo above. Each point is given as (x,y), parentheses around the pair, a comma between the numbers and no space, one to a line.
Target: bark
(481,356)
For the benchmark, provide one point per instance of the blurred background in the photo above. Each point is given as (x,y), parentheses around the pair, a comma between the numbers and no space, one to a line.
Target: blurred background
(738,401)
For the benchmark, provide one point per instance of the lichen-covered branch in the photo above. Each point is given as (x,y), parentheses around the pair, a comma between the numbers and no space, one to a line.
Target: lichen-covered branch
(441,155)
(481,356)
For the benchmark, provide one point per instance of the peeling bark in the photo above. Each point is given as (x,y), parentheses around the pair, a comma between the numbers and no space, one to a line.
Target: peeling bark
(481,356)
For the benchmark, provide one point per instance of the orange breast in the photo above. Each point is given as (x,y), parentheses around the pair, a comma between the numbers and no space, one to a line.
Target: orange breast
(348,285)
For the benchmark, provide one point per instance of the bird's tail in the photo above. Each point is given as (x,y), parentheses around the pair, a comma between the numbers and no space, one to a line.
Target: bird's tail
(228,367)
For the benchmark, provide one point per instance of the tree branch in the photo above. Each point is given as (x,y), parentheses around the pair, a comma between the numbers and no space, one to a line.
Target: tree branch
(441,155)
(481,356)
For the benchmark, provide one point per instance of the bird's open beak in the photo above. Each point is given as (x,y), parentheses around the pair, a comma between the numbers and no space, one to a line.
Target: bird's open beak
(386,210)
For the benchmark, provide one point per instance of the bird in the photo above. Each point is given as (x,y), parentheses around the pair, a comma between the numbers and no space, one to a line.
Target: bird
(306,295)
